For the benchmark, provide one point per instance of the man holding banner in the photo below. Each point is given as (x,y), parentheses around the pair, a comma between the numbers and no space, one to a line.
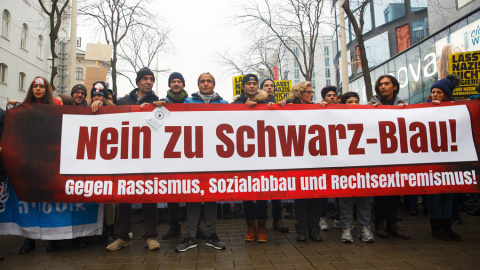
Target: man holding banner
(387,88)
(143,94)
(206,84)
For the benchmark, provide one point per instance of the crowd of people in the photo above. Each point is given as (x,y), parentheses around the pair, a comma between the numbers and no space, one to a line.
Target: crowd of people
(310,214)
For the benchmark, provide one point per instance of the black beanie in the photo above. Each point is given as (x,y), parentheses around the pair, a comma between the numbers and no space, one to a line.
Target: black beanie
(142,72)
(99,88)
(447,85)
(267,79)
(247,78)
(78,87)
(176,75)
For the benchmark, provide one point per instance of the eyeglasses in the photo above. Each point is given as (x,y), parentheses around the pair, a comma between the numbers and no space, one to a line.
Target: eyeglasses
(308,92)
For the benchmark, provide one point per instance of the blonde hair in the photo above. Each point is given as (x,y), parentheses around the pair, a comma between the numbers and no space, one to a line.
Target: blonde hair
(443,61)
(297,90)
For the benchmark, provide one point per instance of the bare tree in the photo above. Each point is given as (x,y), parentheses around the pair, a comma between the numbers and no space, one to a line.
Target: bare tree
(294,23)
(140,47)
(264,56)
(356,18)
(55,17)
(116,18)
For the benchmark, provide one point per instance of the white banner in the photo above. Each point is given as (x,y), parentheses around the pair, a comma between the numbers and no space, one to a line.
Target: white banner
(212,141)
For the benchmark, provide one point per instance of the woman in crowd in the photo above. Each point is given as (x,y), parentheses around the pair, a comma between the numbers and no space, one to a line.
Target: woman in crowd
(65,99)
(306,210)
(440,205)
(40,92)
(364,207)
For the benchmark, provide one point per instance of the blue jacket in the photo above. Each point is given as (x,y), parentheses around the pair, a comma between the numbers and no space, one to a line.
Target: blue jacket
(196,98)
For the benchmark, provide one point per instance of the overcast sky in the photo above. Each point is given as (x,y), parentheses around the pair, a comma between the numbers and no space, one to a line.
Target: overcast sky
(199,28)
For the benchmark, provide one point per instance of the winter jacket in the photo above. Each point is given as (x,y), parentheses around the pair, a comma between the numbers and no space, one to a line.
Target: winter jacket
(132,98)
(396,101)
(260,98)
(196,98)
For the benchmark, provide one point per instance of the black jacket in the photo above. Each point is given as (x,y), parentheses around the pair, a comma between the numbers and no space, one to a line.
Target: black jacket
(131,99)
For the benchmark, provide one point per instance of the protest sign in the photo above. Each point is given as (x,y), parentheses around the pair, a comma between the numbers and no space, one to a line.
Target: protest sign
(211,152)
(282,90)
(237,85)
(467,66)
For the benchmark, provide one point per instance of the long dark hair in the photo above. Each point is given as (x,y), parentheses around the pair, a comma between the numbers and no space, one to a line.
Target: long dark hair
(394,82)
(47,99)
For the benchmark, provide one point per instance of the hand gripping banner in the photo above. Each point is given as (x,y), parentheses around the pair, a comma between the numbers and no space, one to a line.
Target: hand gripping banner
(214,152)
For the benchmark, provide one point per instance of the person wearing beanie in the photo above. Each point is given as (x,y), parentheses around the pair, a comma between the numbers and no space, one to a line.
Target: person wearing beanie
(268,85)
(79,94)
(442,90)
(112,97)
(143,93)
(440,205)
(176,93)
(250,94)
(99,95)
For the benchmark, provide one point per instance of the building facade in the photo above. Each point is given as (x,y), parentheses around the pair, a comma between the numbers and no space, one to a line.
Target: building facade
(323,70)
(399,41)
(24,47)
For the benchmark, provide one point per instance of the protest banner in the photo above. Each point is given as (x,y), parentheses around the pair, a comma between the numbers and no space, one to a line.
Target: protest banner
(467,66)
(237,85)
(48,221)
(282,90)
(213,152)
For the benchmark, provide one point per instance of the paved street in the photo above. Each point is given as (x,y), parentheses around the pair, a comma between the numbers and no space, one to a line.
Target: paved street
(280,252)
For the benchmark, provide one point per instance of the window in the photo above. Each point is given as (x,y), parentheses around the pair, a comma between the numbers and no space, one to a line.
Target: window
(326,51)
(327,72)
(3,73)
(327,61)
(21,81)
(295,63)
(313,82)
(416,5)
(328,82)
(5,24)
(387,10)
(297,73)
(79,73)
(39,46)
(295,51)
(24,39)
(297,81)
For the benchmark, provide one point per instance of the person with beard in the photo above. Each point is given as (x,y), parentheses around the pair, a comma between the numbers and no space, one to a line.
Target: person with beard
(79,94)
(138,96)
(176,93)
(143,93)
